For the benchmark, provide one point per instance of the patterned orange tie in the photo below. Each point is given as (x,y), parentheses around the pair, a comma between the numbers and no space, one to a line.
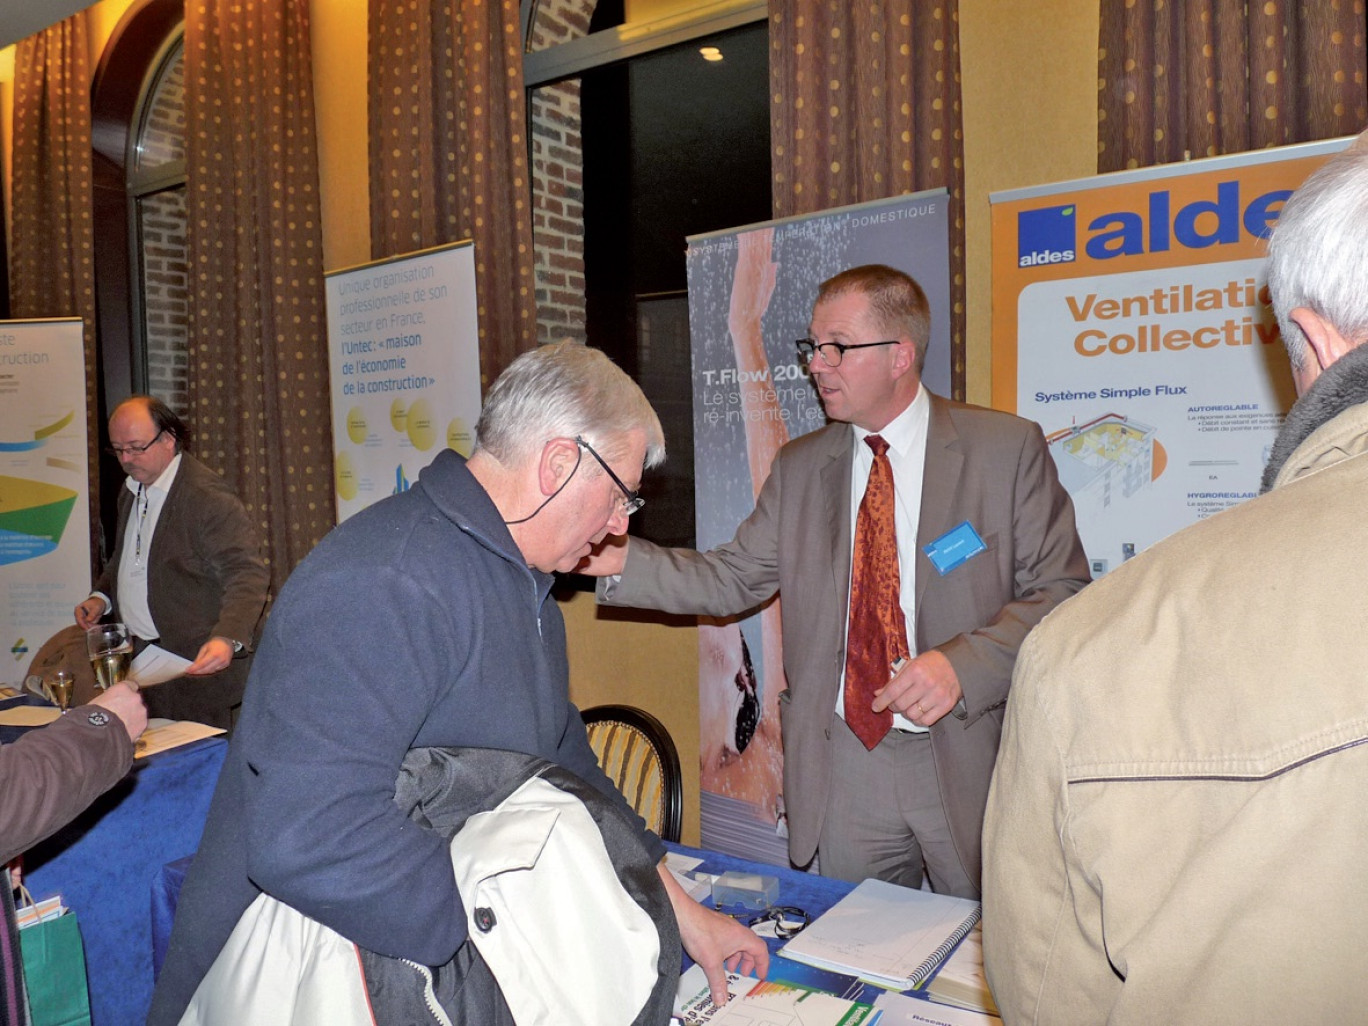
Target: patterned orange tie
(878,633)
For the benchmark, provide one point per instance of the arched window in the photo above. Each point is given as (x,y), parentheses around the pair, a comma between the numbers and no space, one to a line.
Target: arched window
(138,137)
(138,114)
(156,195)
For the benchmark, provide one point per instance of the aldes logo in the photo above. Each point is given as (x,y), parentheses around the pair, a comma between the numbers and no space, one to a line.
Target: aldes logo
(1047,236)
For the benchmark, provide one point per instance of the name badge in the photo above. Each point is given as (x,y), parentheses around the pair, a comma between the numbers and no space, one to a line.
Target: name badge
(954,547)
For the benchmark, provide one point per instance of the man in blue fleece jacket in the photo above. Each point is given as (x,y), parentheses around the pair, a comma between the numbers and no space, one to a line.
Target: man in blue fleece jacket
(425,620)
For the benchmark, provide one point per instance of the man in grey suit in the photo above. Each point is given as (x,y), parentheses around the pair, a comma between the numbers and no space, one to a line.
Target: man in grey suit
(908,800)
(187,571)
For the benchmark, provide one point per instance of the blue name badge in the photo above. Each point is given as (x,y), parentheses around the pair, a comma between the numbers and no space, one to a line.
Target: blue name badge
(954,547)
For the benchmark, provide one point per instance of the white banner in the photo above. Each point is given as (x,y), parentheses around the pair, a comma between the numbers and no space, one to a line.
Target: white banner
(1131,320)
(404,352)
(44,486)
(750,297)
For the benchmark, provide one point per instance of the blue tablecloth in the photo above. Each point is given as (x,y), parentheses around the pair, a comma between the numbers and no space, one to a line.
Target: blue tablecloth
(105,862)
(812,893)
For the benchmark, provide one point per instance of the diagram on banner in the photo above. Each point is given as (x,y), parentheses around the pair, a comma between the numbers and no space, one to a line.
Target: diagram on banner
(44,489)
(34,514)
(1109,459)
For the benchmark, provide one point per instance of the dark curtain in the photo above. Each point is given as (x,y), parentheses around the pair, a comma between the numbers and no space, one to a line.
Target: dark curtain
(448,153)
(1197,78)
(259,395)
(52,269)
(866,105)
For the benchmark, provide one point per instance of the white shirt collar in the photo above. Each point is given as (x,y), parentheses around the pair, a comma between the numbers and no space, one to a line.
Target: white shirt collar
(904,430)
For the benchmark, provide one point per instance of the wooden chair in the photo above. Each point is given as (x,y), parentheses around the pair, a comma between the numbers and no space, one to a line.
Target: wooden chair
(637,753)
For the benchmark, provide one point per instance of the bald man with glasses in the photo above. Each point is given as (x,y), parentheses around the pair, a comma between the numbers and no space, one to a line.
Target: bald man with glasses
(913,543)
(187,571)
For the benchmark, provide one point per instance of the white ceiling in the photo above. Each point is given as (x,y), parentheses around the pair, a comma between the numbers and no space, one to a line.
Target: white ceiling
(21,18)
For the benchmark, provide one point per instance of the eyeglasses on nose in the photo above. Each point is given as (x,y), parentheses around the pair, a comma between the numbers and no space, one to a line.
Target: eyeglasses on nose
(631,501)
(135,450)
(833,352)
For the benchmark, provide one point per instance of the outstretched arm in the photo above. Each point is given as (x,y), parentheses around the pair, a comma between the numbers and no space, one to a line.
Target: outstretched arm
(716,942)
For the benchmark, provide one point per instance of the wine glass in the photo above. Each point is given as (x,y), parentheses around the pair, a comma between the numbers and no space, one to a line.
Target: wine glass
(110,649)
(60,685)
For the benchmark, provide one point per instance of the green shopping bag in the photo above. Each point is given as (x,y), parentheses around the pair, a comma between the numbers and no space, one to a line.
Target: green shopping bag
(55,972)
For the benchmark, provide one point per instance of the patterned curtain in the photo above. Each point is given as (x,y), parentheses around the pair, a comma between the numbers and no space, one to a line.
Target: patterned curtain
(1204,77)
(258,384)
(448,152)
(52,269)
(867,106)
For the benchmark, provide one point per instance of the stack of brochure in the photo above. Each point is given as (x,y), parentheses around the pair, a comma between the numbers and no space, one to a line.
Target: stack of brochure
(765,1001)
(892,936)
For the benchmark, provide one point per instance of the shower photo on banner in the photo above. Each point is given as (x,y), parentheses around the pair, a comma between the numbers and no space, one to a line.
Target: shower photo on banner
(750,298)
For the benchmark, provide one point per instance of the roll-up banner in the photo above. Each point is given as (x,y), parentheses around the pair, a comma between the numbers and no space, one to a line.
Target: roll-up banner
(404,353)
(1131,320)
(750,297)
(44,486)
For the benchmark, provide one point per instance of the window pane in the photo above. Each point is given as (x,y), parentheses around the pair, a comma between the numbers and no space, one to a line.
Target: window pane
(161,138)
(165,298)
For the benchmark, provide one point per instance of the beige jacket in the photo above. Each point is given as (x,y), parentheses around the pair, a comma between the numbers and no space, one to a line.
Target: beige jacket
(1177,830)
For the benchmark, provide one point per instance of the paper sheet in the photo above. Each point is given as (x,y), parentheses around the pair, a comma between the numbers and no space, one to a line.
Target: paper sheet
(162,735)
(155,665)
(28,716)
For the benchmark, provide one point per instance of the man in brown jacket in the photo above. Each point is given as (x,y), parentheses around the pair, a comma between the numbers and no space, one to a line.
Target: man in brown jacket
(187,571)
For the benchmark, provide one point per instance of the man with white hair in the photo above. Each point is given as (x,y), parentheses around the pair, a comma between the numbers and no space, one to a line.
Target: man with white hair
(1175,831)
(426,622)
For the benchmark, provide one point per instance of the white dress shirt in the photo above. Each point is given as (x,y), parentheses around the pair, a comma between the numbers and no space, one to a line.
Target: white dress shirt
(137,544)
(906,438)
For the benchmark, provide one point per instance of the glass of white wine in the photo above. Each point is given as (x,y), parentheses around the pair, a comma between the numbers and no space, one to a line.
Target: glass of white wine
(110,649)
(60,686)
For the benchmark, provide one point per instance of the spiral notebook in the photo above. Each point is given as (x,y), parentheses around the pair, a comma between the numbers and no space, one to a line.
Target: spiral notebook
(892,936)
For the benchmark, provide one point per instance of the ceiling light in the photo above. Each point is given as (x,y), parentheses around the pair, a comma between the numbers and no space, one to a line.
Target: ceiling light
(710,53)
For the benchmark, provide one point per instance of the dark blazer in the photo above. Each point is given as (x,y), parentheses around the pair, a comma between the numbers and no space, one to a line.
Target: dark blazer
(205,578)
(987,467)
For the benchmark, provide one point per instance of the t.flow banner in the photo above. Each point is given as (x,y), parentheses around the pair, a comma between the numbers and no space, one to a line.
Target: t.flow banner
(751,291)
(404,353)
(44,486)
(1131,320)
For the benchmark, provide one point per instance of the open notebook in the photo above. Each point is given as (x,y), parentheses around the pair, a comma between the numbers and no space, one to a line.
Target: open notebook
(889,935)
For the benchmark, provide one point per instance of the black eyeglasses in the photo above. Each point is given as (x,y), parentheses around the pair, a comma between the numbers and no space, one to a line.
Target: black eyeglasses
(134,450)
(833,352)
(631,501)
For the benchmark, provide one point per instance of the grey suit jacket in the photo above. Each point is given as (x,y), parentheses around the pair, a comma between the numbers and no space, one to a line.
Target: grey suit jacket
(205,578)
(987,467)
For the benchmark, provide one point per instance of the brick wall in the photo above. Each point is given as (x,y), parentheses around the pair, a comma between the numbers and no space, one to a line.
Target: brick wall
(558,181)
(161,224)
(165,295)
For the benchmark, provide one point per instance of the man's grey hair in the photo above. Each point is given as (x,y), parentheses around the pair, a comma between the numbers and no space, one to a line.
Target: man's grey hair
(1318,253)
(563,390)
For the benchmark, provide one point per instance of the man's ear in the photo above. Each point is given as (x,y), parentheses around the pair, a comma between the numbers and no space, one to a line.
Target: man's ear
(905,356)
(559,458)
(1325,345)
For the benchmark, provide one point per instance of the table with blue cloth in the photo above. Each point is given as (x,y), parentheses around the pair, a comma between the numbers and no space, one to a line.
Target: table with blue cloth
(104,863)
(810,892)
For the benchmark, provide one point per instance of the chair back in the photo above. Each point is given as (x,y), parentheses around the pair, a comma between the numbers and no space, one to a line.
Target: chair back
(636,752)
